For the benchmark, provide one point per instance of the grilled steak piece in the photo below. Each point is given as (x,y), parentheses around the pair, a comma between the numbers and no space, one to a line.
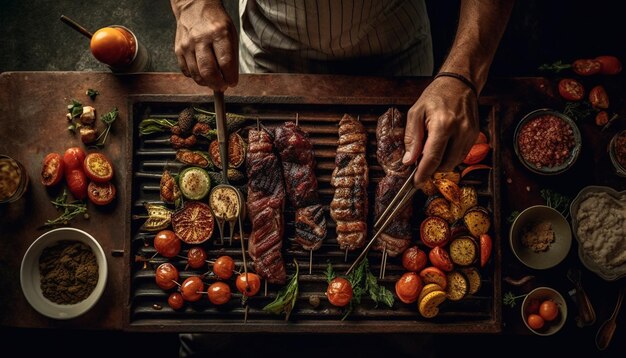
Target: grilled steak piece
(390,149)
(350,179)
(266,200)
(296,153)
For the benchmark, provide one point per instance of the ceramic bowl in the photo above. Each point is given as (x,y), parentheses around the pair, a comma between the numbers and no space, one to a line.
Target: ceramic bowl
(568,162)
(558,249)
(539,295)
(30,277)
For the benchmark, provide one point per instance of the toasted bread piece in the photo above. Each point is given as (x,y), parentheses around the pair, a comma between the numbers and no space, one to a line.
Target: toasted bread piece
(463,251)
(429,305)
(458,286)
(473,277)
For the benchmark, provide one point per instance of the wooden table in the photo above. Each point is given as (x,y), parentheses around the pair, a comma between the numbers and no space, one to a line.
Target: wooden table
(33,121)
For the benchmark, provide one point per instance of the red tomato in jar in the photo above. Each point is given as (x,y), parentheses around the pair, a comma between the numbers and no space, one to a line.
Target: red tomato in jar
(73,158)
(98,167)
(101,193)
(77,183)
(586,67)
(610,65)
(339,292)
(598,97)
(52,170)
(440,258)
(571,90)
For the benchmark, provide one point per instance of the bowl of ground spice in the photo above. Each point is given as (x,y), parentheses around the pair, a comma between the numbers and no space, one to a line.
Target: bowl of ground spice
(540,237)
(547,142)
(63,273)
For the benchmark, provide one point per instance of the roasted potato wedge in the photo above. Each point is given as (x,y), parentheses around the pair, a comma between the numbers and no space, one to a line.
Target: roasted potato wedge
(449,190)
(469,198)
(458,286)
(477,221)
(457,211)
(438,206)
(452,176)
(429,188)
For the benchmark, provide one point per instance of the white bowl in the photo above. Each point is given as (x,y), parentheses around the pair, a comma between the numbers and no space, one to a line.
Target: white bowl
(541,294)
(558,249)
(605,273)
(30,277)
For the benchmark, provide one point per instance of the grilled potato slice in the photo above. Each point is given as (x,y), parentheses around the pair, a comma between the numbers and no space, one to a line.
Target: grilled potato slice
(477,221)
(449,190)
(458,286)
(429,305)
(469,198)
(457,211)
(431,287)
(473,277)
(452,176)
(463,251)
(429,188)
(438,206)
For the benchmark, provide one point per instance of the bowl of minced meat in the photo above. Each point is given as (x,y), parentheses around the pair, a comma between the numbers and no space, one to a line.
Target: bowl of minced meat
(63,273)
(599,224)
(547,142)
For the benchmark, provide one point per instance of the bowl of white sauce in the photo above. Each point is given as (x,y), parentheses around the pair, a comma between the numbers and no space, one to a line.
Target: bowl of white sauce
(599,224)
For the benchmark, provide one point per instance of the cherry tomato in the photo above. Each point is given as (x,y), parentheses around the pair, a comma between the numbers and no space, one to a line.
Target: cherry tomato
(219,293)
(586,67)
(548,310)
(249,286)
(599,98)
(533,306)
(166,276)
(408,287)
(414,259)
(432,274)
(111,46)
(485,249)
(167,243)
(191,288)
(196,257)
(52,170)
(98,167)
(610,65)
(571,90)
(101,193)
(77,183)
(175,300)
(440,258)
(73,158)
(224,267)
(535,321)
(339,292)
(602,118)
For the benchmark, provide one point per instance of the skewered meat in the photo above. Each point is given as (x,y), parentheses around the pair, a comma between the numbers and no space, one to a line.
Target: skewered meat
(350,179)
(296,154)
(266,200)
(390,148)
(169,190)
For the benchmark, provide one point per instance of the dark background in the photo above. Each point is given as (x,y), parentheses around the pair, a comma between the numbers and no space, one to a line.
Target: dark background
(33,39)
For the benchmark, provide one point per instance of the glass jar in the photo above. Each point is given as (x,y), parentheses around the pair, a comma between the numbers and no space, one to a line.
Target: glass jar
(13,179)
(617,152)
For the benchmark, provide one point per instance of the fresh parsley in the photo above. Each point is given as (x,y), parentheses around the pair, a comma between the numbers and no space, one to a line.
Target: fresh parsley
(509,299)
(364,282)
(75,109)
(70,210)
(92,93)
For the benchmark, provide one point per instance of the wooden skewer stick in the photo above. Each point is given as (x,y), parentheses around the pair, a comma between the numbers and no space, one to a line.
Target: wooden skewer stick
(243,254)
(73,24)
(265,292)
(231,225)
(385,263)
(245,314)
(310,261)
(297,119)
(345,256)
(258,124)
(382,262)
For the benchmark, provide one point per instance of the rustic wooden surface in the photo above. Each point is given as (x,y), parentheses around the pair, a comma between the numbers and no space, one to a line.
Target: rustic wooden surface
(32,123)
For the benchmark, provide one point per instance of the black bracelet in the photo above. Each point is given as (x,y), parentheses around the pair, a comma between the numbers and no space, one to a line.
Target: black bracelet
(459,77)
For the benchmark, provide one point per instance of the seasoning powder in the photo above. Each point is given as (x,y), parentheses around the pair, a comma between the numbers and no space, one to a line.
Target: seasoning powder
(69,272)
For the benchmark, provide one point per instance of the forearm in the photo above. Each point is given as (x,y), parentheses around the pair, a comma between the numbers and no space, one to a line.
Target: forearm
(481,26)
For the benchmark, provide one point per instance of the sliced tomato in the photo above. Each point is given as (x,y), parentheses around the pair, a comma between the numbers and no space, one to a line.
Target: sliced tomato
(440,258)
(602,118)
(77,183)
(98,167)
(610,65)
(586,67)
(432,274)
(434,231)
(598,97)
(485,249)
(101,193)
(73,158)
(52,169)
(571,89)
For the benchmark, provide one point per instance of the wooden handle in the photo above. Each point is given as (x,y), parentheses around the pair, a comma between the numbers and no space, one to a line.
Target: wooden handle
(73,24)
(220,119)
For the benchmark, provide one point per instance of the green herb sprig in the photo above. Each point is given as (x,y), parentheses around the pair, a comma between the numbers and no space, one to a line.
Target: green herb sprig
(557,201)
(555,67)
(509,299)
(108,119)
(512,216)
(70,210)
(155,125)
(286,299)
(92,93)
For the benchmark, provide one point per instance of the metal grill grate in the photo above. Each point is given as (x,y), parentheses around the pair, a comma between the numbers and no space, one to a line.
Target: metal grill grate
(148,303)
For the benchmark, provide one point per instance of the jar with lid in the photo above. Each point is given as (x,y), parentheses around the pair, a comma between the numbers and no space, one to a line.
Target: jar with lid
(118,48)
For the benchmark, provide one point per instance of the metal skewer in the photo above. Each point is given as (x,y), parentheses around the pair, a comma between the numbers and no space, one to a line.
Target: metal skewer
(310,261)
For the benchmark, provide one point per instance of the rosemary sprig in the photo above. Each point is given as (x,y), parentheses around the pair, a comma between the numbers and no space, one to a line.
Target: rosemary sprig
(70,210)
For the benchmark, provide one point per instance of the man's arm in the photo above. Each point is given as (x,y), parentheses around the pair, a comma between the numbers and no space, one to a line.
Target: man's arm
(447,109)
(206,44)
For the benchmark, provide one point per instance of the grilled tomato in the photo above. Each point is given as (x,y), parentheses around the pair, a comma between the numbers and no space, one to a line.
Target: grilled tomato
(52,170)
(98,167)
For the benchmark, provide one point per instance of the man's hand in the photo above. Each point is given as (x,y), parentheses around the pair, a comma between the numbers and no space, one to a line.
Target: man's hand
(206,43)
(447,111)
